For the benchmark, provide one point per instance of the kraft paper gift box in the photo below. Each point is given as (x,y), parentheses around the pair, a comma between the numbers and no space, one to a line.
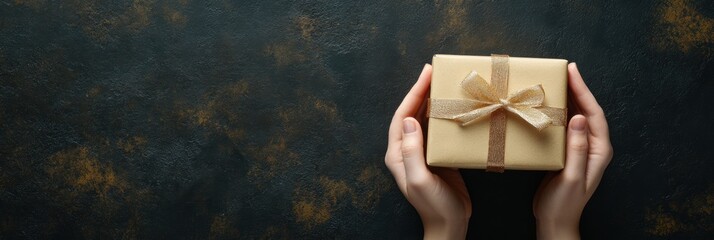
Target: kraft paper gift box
(458,138)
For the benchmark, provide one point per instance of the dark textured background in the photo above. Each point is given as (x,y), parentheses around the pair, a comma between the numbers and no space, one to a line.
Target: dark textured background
(222,119)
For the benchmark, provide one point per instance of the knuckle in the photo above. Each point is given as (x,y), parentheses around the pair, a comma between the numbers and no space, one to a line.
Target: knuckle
(579,146)
(598,110)
(387,160)
(410,150)
(390,157)
(419,183)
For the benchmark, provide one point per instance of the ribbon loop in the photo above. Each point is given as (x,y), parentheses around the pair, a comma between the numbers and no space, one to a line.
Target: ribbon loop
(524,103)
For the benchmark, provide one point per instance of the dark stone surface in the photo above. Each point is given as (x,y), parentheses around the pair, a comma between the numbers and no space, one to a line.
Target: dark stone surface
(223,119)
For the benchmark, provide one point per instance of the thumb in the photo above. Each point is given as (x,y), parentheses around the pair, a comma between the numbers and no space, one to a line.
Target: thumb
(576,154)
(413,150)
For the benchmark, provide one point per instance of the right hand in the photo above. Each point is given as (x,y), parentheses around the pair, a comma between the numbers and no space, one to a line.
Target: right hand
(562,195)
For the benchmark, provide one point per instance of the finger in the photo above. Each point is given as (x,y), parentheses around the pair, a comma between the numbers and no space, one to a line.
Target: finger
(421,113)
(581,94)
(587,104)
(453,180)
(393,160)
(413,152)
(597,163)
(592,178)
(599,140)
(576,154)
(411,103)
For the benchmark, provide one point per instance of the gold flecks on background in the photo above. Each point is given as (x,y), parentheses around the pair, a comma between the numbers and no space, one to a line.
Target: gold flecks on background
(312,210)
(284,54)
(293,117)
(217,111)
(303,30)
(172,13)
(271,159)
(454,18)
(311,213)
(132,144)
(315,202)
(99,143)
(203,117)
(682,27)
(691,215)
(334,194)
(454,24)
(94,92)
(84,173)
(137,16)
(371,184)
(661,224)
(452,14)
(327,108)
(306,26)
(98,24)
(222,228)
(236,89)
(77,176)
(277,156)
(334,189)
(34,4)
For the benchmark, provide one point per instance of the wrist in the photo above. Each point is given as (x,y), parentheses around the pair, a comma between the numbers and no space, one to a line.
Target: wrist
(446,229)
(546,230)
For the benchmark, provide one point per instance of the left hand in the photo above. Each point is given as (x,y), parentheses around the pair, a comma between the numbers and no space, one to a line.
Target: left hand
(438,194)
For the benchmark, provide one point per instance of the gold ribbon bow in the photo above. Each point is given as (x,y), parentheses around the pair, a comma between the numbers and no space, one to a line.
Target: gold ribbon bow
(491,99)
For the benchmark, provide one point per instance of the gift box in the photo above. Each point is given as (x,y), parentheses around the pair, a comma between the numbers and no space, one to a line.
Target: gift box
(497,112)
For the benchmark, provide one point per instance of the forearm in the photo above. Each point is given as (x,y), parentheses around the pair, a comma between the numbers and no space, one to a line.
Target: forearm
(547,231)
(446,230)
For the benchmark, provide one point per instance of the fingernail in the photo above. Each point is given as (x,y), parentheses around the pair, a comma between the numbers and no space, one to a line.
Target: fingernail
(408,126)
(578,123)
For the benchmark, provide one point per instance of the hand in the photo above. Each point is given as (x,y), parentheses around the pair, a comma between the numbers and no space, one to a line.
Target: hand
(561,197)
(438,194)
